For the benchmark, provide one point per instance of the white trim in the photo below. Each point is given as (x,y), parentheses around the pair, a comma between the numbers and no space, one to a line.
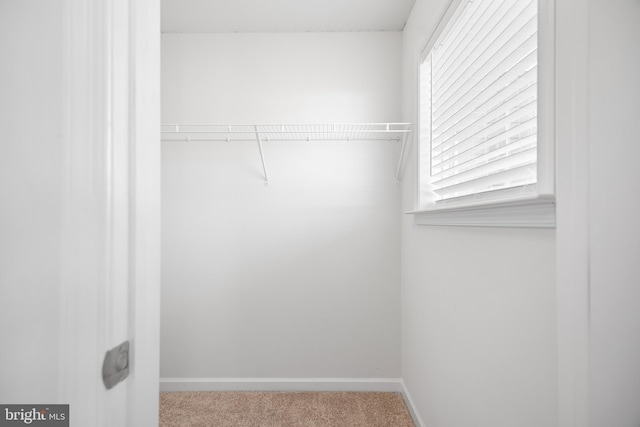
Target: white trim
(144,181)
(417,419)
(572,235)
(535,212)
(546,97)
(281,384)
(443,20)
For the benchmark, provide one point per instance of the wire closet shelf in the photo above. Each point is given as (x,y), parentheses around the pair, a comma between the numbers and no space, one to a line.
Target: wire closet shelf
(397,132)
(287,132)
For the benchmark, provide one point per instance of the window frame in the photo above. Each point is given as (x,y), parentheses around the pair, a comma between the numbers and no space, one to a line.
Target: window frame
(535,210)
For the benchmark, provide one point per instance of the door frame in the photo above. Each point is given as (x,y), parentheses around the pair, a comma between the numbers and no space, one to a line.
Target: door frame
(144,297)
(87,298)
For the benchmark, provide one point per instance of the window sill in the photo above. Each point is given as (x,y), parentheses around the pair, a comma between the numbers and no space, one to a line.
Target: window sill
(534,212)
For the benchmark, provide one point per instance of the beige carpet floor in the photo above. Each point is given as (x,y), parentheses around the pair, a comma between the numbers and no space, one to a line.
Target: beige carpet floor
(280,409)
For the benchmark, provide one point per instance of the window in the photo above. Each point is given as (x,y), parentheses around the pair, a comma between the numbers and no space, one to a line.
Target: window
(480,139)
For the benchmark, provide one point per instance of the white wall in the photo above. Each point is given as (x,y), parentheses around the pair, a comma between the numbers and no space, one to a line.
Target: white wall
(299,278)
(478,304)
(614,198)
(280,77)
(30,190)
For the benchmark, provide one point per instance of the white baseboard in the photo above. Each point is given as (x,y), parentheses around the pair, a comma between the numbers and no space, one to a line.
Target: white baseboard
(417,419)
(282,384)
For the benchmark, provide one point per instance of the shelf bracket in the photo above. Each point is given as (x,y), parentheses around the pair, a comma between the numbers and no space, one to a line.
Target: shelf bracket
(402,150)
(264,166)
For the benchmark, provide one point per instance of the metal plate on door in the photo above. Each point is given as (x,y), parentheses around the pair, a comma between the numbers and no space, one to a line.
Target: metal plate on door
(116,365)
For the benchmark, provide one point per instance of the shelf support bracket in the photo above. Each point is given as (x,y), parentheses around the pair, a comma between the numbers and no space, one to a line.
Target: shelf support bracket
(402,150)
(264,166)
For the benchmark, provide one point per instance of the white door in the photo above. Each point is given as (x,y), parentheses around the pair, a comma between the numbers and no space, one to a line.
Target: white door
(110,259)
(79,205)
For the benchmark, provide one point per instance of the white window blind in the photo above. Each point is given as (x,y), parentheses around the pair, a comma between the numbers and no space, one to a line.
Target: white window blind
(478,104)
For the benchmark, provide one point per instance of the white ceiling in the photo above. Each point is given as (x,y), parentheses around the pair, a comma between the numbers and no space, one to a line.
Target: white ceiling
(257,16)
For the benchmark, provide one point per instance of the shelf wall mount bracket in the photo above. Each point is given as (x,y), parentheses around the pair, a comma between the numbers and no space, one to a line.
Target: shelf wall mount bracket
(399,169)
(264,166)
